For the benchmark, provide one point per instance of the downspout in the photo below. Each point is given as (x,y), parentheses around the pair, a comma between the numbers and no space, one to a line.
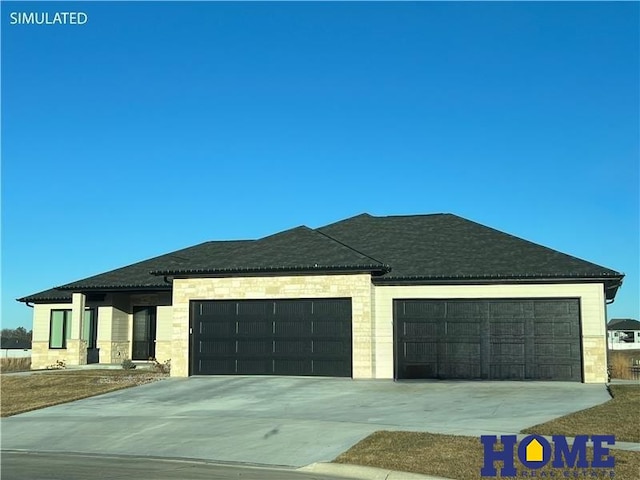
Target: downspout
(28,304)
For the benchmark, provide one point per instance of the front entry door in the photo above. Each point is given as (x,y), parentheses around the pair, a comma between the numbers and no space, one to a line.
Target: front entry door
(144,333)
(90,334)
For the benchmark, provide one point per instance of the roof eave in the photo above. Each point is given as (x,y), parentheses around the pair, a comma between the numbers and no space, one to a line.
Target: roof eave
(113,288)
(303,269)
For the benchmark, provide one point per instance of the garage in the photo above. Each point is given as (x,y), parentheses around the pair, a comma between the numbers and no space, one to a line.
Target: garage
(271,337)
(496,339)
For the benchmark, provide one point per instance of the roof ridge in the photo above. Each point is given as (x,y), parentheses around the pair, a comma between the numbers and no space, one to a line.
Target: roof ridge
(350,247)
(417,215)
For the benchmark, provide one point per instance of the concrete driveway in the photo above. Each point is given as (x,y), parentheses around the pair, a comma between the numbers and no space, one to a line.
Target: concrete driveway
(289,421)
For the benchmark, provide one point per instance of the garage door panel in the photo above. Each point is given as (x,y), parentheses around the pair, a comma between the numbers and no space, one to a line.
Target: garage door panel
(512,371)
(464,327)
(291,328)
(216,328)
(557,329)
(555,308)
(419,309)
(292,367)
(331,328)
(516,309)
(253,327)
(292,309)
(330,310)
(272,337)
(507,352)
(488,338)
(460,370)
(556,352)
(418,329)
(287,347)
(330,348)
(417,351)
(217,347)
(253,366)
(257,308)
(328,368)
(219,310)
(462,351)
(219,366)
(254,347)
(463,310)
(506,329)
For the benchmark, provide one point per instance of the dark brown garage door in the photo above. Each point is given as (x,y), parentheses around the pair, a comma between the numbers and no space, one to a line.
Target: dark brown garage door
(537,339)
(271,337)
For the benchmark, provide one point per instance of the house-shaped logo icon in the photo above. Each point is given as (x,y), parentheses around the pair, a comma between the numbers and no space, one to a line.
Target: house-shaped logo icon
(534,451)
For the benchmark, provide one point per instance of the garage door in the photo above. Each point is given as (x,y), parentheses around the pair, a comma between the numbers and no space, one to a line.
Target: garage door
(537,339)
(271,337)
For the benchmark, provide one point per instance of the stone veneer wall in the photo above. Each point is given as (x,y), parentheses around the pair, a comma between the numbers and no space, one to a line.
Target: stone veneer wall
(357,287)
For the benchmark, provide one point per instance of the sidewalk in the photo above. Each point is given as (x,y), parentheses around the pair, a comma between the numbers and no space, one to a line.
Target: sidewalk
(343,470)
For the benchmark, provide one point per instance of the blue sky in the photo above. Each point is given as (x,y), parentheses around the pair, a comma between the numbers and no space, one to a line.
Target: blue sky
(156,126)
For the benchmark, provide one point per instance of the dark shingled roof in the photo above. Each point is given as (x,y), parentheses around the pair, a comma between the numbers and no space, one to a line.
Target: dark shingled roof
(624,324)
(298,249)
(447,246)
(395,249)
(136,276)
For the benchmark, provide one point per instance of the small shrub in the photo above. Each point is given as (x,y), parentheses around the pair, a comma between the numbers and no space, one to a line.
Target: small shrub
(127,364)
(158,367)
(22,364)
(57,365)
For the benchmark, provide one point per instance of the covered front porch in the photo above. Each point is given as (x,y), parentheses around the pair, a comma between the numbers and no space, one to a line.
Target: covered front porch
(102,329)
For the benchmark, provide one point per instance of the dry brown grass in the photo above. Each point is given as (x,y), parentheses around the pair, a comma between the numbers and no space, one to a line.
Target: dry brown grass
(452,456)
(22,393)
(618,416)
(15,364)
(620,362)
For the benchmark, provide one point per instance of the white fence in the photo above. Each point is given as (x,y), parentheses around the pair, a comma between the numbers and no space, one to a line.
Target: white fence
(15,353)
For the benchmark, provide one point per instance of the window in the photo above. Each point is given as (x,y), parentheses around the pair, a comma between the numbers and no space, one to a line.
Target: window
(59,328)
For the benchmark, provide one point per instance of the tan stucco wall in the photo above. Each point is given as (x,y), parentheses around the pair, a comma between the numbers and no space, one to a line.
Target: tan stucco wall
(358,287)
(592,309)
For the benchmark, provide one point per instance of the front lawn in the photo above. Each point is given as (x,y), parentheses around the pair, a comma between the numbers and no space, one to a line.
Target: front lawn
(461,457)
(22,393)
(457,457)
(618,416)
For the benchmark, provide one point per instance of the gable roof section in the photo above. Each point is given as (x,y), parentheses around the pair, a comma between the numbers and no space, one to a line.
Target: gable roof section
(445,246)
(300,249)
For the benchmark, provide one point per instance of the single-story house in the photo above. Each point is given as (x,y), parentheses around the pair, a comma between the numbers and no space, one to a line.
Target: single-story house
(417,296)
(624,334)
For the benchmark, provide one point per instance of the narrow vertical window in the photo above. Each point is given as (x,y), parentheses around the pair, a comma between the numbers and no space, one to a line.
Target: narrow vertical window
(59,328)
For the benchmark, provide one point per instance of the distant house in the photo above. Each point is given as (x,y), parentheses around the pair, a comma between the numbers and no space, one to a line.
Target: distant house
(14,348)
(623,334)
